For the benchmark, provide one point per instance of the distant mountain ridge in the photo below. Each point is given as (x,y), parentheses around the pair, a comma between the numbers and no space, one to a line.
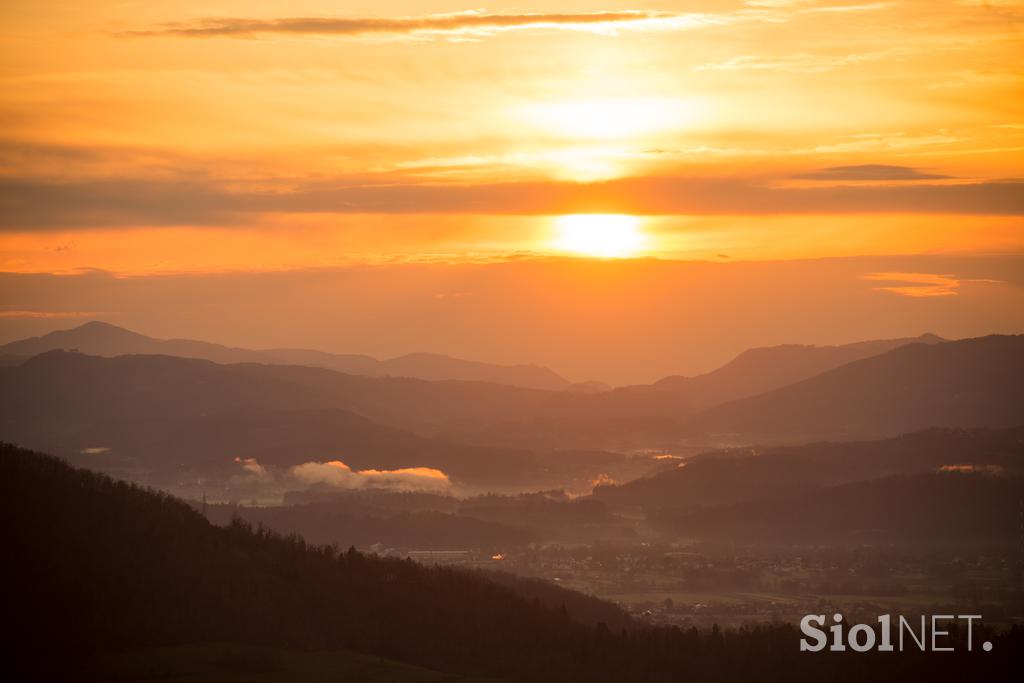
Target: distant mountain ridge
(966,383)
(171,412)
(762,369)
(103,339)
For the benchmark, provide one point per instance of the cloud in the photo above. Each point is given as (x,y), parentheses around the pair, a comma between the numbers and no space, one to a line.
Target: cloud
(887,142)
(473,23)
(916,284)
(42,204)
(800,6)
(51,315)
(252,466)
(800,63)
(776,3)
(870,172)
(921,284)
(32,204)
(843,9)
(254,473)
(972,469)
(339,475)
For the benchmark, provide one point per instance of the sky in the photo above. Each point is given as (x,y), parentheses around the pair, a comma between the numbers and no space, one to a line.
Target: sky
(159,160)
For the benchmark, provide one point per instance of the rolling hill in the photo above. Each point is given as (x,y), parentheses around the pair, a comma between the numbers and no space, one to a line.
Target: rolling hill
(967,383)
(758,370)
(739,475)
(59,393)
(103,339)
(104,566)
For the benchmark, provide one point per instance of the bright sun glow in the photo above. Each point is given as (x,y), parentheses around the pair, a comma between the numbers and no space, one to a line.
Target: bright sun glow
(604,235)
(612,118)
(596,139)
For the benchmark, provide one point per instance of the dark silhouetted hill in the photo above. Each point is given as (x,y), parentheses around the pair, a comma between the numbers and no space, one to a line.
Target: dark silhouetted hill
(968,383)
(758,370)
(103,565)
(732,476)
(95,565)
(348,524)
(940,509)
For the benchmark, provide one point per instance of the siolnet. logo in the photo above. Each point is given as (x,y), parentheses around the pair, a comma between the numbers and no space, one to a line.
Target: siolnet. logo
(931,634)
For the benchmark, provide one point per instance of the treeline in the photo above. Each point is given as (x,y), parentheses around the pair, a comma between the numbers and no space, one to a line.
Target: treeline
(353,525)
(405,520)
(97,565)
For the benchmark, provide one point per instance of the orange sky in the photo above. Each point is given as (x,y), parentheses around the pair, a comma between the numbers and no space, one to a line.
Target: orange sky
(309,126)
(169,137)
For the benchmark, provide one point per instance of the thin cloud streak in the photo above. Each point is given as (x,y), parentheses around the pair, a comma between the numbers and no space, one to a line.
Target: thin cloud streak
(921,285)
(472,22)
(802,62)
(51,315)
(870,172)
(28,204)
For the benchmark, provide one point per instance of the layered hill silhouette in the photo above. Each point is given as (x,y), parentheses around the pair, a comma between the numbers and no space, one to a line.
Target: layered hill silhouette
(103,339)
(175,417)
(967,383)
(759,370)
(728,477)
(103,566)
(182,411)
(61,393)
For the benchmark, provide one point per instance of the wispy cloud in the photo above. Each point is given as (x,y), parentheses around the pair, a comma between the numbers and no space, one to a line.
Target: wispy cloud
(40,203)
(468,23)
(870,172)
(842,9)
(776,3)
(801,62)
(919,284)
(51,315)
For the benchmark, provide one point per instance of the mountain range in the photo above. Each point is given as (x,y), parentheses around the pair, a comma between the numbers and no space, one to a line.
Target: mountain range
(103,339)
(177,414)
(762,369)
(176,417)
(966,383)
(752,372)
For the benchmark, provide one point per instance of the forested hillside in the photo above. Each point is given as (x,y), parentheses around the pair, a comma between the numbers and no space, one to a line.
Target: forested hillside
(99,565)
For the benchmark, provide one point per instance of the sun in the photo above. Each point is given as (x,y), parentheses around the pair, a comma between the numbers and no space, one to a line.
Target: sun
(600,234)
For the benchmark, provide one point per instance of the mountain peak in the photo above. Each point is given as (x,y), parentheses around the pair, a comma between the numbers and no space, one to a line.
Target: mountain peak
(100,327)
(97,324)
